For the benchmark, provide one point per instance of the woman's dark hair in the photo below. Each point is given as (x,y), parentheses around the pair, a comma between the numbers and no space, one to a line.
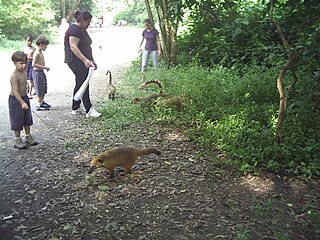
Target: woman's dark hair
(82,15)
(19,57)
(148,21)
(28,36)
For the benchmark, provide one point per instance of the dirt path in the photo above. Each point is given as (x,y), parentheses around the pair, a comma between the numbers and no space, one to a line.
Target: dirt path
(46,193)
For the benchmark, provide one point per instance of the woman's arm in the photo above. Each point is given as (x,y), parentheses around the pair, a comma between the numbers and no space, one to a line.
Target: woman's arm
(141,44)
(74,42)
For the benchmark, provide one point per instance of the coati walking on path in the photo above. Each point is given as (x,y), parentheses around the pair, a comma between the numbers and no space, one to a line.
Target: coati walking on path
(111,90)
(119,157)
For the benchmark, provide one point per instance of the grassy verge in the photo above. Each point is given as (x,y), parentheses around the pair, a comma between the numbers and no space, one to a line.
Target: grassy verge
(7,45)
(10,45)
(231,111)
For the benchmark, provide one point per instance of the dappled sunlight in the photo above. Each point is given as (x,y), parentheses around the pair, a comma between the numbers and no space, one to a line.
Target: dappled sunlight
(260,185)
(174,136)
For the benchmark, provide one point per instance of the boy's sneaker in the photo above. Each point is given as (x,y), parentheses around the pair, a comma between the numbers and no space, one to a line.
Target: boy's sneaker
(40,108)
(79,111)
(19,144)
(46,105)
(30,141)
(43,106)
(93,113)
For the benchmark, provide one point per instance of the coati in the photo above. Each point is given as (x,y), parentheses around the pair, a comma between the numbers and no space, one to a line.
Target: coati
(152,97)
(111,90)
(119,157)
(158,82)
(161,99)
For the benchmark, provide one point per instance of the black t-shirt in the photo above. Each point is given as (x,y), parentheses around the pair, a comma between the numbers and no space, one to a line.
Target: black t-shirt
(84,43)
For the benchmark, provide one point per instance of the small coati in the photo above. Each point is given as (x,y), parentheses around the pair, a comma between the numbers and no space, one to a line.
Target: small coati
(119,157)
(111,90)
(161,99)
(152,97)
(158,82)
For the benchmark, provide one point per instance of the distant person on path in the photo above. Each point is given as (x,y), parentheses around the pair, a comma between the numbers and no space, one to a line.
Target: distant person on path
(78,56)
(19,105)
(62,29)
(151,35)
(29,50)
(39,77)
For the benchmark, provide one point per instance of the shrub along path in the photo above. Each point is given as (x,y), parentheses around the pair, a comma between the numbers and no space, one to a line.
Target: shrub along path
(45,192)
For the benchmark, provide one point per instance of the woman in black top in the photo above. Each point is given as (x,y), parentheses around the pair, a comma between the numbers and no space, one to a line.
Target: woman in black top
(78,56)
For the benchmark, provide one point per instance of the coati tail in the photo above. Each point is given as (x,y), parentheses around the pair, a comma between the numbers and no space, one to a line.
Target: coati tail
(158,82)
(148,151)
(110,76)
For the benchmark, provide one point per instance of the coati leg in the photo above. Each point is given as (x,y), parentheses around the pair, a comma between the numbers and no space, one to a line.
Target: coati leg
(127,168)
(110,168)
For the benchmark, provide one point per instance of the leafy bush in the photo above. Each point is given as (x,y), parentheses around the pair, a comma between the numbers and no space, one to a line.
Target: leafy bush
(235,113)
(24,16)
(239,32)
(134,14)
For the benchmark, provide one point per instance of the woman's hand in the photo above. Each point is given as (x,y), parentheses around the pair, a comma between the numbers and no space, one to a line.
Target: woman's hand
(87,63)
(159,53)
(94,65)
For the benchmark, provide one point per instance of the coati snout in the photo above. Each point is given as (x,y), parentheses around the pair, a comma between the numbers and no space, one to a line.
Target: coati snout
(95,163)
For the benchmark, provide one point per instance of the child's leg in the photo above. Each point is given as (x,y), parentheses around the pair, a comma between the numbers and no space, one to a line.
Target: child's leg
(31,86)
(17,134)
(40,99)
(29,139)
(27,130)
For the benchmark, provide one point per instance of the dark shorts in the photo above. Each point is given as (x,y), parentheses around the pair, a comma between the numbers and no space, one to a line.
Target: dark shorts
(19,117)
(40,82)
(29,71)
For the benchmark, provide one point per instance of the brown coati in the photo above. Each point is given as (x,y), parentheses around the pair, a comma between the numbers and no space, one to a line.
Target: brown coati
(153,97)
(161,99)
(157,82)
(111,90)
(119,157)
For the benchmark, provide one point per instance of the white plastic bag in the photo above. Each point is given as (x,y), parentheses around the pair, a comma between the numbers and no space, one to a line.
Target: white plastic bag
(79,94)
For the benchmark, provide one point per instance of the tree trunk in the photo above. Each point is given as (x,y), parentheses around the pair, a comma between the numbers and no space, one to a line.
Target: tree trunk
(73,8)
(148,7)
(63,8)
(168,22)
(292,57)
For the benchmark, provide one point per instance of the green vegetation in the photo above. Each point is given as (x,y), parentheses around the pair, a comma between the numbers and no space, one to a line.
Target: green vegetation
(19,17)
(232,111)
(134,13)
(234,60)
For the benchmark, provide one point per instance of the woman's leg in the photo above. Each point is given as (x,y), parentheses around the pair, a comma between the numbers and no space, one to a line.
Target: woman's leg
(81,72)
(145,58)
(155,59)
